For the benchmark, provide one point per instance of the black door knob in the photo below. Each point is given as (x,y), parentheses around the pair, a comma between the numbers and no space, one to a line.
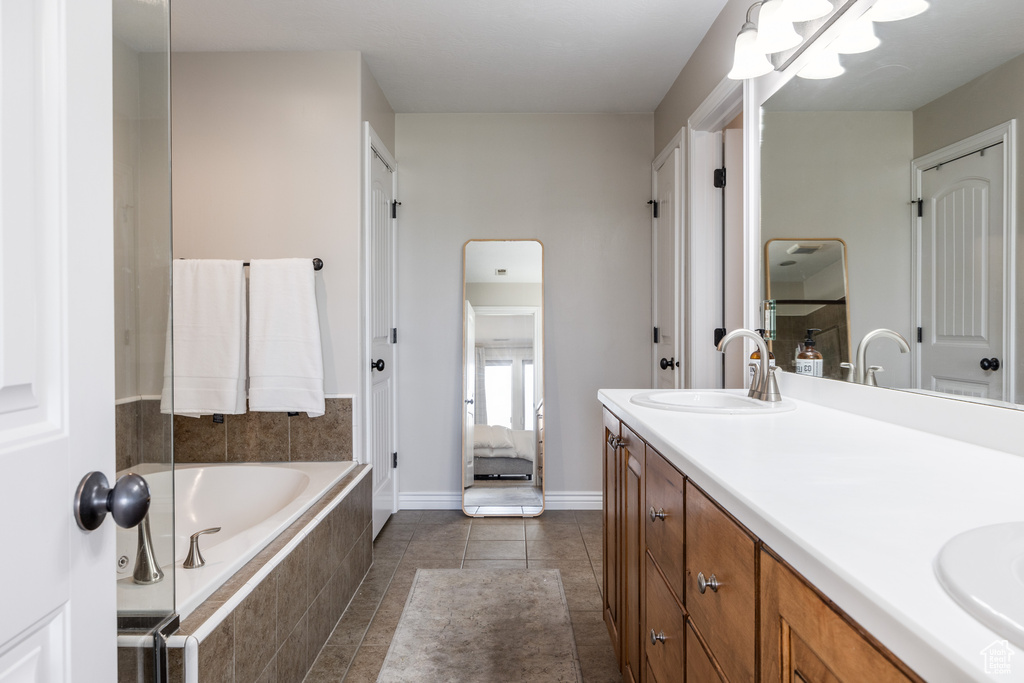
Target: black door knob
(989,364)
(377,365)
(668,363)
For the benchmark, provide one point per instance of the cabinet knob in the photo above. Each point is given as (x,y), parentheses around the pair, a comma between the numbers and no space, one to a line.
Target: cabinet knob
(616,442)
(704,584)
(657,637)
(656,515)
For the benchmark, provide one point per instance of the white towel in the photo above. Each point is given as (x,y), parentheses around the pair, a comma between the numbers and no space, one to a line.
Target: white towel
(209,339)
(286,364)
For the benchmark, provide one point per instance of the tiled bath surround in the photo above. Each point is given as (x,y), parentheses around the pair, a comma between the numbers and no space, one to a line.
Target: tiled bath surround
(143,436)
(269,621)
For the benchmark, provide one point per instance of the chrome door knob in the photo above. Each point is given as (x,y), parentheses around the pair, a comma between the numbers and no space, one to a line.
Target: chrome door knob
(127,502)
(704,584)
(657,514)
(657,637)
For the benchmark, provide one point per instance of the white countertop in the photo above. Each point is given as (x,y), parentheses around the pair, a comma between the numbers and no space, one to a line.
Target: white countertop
(859,506)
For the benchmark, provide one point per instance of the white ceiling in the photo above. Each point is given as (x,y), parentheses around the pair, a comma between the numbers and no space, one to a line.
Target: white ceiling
(475,56)
(522,260)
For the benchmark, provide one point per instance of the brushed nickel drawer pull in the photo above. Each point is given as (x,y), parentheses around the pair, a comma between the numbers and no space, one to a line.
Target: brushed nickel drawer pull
(657,637)
(703,584)
(660,514)
(616,442)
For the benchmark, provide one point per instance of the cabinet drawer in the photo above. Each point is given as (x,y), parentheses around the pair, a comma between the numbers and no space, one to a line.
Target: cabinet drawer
(722,554)
(665,629)
(699,668)
(666,528)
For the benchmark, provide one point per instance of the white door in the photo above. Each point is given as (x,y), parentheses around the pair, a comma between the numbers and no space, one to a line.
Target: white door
(667,283)
(962,290)
(381,285)
(57,601)
(732,248)
(469,419)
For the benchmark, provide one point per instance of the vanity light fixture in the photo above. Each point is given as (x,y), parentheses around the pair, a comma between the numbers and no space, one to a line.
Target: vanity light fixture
(895,10)
(806,10)
(857,38)
(825,65)
(748,59)
(775,32)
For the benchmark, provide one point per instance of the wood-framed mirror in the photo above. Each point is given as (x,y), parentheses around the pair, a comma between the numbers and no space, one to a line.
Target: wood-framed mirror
(503,378)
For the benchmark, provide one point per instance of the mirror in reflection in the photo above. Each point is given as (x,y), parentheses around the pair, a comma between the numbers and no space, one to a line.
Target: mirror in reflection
(807,281)
(503,378)
(908,158)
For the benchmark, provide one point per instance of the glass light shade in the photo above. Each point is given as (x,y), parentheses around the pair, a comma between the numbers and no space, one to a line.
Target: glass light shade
(775,33)
(748,60)
(895,10)
(806,10)
(826,65)
(856,38)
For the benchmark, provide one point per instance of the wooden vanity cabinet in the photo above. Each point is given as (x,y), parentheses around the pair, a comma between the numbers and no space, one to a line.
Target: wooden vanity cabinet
(633,455)
(612,513)
(665,623)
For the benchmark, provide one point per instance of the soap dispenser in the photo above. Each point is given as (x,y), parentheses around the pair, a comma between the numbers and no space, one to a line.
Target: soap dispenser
(810,361)
(755,357)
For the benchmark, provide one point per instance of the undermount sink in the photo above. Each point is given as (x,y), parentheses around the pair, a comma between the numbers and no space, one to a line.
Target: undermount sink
(983,571)
(720,401)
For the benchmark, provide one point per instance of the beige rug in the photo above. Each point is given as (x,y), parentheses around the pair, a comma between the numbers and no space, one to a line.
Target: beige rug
(484,626)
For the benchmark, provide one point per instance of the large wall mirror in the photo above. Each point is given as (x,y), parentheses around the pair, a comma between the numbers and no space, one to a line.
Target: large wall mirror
(930,114)
(503,378)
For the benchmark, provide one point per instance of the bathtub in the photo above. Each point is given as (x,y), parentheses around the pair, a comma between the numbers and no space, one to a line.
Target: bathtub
(252,503)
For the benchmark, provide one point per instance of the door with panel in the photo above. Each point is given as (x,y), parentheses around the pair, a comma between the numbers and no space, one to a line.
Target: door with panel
(667,277)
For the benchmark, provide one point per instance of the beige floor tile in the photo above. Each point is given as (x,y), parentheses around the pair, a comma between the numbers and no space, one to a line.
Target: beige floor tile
(589,517)
(589,628)
(497,532)
(446,533)
(366,664)
(564,549)
(552,517)
(497,521)
(598,663)
(494,564)
(496,550)
(444,517)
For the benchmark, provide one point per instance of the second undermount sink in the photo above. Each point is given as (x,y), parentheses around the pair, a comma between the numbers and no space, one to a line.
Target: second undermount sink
(983,571)
(716,401)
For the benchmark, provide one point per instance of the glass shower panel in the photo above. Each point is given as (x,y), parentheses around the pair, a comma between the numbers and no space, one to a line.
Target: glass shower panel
(142,263)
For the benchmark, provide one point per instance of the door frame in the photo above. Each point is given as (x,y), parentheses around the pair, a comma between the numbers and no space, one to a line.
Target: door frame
(680,256)
(1005,133)
(372,144)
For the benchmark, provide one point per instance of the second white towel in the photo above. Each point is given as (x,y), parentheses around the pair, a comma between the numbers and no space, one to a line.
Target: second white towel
(286,365)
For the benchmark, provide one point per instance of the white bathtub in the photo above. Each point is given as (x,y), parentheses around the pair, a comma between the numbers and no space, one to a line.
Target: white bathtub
(252,503)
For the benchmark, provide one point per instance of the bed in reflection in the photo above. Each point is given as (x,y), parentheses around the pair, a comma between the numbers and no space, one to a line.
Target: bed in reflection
(500,452)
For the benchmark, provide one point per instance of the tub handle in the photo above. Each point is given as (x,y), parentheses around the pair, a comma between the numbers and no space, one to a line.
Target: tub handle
(195,558)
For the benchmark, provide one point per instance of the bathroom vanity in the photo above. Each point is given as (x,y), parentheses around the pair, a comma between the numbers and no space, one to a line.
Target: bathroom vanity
(796,545)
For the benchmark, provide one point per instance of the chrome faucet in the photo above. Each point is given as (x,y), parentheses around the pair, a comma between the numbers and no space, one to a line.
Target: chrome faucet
(862,374)
(195,559)
(147,569)
(764,387)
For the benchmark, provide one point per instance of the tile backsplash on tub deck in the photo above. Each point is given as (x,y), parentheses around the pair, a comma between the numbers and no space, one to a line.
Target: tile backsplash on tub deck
(252,437)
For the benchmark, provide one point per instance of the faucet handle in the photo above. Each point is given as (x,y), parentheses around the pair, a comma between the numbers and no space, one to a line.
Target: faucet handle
(872,371)
(195,558)
(755,378)
(851,371)
(771,387)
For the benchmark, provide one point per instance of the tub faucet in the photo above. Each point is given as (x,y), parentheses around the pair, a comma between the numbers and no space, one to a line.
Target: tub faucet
(147,569)
(195,558)
(862,351)
(764,387)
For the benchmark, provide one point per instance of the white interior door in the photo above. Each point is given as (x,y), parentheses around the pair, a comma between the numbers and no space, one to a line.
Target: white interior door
(469,403)
(381,280)
(57,601)
(667,281)
(703,362)
(962,289)
(732,248)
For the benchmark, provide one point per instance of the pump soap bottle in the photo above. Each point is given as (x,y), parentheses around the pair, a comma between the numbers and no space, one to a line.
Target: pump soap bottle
(755,357)
(810,362)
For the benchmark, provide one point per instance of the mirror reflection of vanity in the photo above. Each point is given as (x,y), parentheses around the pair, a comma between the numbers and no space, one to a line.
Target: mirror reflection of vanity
(503,378)
(930,114)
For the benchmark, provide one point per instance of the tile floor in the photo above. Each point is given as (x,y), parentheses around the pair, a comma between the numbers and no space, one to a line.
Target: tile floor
(447,539)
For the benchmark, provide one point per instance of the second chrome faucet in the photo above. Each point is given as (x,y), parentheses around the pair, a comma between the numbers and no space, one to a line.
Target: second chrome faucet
(764,387)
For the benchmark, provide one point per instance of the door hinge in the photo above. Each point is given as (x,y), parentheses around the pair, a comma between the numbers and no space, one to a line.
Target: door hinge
(394,208)
(394,460)
(920,207)
(720,177)
(920,335)
(657,336)
(719,334)
(394,335)
(654,207)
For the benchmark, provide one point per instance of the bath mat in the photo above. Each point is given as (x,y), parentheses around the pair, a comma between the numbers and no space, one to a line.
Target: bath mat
(484,626)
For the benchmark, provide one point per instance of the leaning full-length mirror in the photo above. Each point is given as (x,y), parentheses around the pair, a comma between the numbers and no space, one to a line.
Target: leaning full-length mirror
(910,158)
(503,378)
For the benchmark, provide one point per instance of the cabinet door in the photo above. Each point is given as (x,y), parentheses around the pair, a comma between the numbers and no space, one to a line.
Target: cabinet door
(724,555)
(699,668)
(665,628)
(633,540)
(666,528)
(804,639)
(612,563)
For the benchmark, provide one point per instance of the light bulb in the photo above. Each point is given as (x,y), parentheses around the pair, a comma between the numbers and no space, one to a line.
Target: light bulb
(857,37)
(895,10)
(775,32)
(748,60)
(806,10)
(825,65)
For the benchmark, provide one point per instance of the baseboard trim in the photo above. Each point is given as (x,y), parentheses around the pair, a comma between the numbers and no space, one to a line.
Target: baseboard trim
(553,500)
